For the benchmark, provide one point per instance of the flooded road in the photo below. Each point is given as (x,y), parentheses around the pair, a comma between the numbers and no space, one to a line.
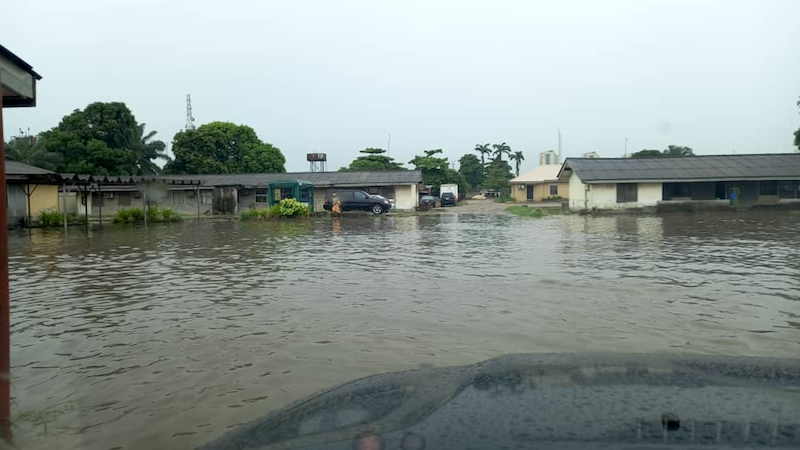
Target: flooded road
(168,337)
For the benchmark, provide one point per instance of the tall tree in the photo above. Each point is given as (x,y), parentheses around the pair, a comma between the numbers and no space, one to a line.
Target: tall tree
(500,150)
(797,133)
(484,150)
(472,169)
(498,175)
(223,147)
(147,149)
(103,139)
(436,171)
(26,151)
(374,161)
(677,151)
(647,154)
(517,157)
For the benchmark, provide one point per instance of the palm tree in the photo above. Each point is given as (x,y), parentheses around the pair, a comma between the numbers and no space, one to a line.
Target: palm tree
(500,150)
(517,158)
(146,150)
(484,150)
(24,150)
(678,151)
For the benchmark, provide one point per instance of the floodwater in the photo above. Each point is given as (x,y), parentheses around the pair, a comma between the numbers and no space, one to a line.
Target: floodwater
(167,337)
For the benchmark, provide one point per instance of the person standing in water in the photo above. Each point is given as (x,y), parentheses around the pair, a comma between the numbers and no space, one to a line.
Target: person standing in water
(337,205)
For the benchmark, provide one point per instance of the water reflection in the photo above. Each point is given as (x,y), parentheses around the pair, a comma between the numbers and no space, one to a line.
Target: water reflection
(166,336)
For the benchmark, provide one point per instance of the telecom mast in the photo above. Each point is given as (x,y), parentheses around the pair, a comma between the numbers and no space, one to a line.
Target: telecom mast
(189,117)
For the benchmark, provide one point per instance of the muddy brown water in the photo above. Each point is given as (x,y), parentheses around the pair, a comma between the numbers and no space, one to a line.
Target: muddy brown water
(169,336)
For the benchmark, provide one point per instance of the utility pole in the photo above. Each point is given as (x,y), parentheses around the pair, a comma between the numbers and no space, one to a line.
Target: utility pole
(626,147)
(389,145)
(189,117)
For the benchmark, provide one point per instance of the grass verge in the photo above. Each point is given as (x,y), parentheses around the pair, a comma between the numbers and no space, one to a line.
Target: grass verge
(536,213)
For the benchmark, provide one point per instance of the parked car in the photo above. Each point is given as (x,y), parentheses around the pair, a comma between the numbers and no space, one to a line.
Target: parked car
(358,200)
(448,198)
(427,201)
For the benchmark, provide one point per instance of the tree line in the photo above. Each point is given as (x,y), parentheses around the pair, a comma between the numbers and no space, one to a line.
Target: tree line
(106,139)
(472,174)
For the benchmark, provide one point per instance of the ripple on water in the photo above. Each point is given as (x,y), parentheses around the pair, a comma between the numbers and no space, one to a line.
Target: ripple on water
(168,336)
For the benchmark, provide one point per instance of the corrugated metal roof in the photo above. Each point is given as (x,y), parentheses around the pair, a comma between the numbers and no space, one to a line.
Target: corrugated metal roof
(712,167)
(18,168)
(317,178)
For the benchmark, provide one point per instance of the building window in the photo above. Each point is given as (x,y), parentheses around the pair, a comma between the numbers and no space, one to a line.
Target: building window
(627,192)
(768,188)
(787,189)
(178,198)
(205,197)
(262,195)
(553,189)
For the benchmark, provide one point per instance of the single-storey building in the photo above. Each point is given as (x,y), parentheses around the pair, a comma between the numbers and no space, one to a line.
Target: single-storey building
(718,181)
(540,184)
(29,190)
(222,194)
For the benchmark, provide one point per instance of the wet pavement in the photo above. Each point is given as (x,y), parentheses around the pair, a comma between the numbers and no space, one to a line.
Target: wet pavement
(167,337)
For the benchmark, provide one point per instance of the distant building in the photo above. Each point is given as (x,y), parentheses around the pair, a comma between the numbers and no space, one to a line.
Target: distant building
(547,158)
(590,155)
(29,190)
(691,183)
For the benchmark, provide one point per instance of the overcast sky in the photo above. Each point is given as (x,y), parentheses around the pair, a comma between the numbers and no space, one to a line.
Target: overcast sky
(339,76)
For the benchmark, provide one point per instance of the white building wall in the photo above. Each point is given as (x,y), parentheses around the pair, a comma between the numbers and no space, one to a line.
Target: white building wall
(406,197)
(577,193)
(604,195)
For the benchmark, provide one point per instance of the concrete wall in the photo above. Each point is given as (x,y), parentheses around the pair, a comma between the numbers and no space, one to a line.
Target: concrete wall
(541,191)
(578,196)
(182,201)
(406,197)
(44,197)
(604,195)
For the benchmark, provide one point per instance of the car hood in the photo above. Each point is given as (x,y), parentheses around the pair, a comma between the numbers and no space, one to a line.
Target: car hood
(550,401)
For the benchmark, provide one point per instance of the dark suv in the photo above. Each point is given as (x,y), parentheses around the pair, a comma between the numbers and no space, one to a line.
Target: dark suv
(358,200)
(448,198)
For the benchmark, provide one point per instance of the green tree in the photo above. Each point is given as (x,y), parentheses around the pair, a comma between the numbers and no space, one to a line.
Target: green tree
(676,151)
(498,175)
(484,151)
(517,157)
(472,169)
(223,147)
(147,149)
(797,133)
(103,139)
(374,161)
(500,150)
(436,171)
(647,154)
(26,151)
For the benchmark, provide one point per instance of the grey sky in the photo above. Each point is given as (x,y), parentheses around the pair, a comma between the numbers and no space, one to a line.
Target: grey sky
(338,76)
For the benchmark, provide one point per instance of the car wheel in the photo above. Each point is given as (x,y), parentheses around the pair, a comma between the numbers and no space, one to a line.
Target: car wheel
(377,209)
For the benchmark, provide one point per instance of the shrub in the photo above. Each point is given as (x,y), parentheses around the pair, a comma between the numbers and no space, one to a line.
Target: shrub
(169,215)
(137,215)
(524,211)
(153,213)
(290,207)
(254,214)
(127,215)
(49,218)
(274,211)
(122,216)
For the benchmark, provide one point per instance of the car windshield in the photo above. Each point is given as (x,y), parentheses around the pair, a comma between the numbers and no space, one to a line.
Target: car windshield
(565,224)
